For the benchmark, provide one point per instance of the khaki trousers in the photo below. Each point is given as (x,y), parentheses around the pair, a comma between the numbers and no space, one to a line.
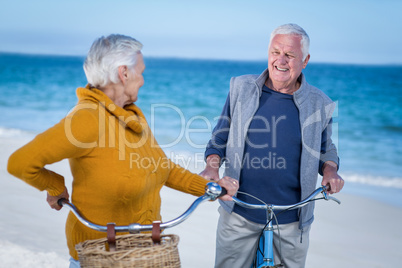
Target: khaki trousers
(237,241)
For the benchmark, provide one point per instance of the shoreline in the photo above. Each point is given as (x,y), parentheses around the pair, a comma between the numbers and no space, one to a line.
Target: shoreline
(340,236)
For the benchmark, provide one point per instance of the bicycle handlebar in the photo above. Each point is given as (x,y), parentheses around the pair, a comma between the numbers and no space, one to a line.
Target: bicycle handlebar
(212,192)
(322,190)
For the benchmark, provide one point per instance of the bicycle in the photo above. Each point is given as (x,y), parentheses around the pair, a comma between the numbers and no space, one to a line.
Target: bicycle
(264,257)
(212,192)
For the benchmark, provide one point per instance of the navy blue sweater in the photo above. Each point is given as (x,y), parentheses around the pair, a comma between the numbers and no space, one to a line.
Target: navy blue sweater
(271,161)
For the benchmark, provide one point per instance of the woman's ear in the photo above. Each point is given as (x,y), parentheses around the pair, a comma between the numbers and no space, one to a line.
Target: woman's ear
(123,73)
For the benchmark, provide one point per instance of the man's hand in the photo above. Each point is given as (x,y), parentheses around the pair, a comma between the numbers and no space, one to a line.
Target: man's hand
(231,185)
(52,200)
(211,171)
(331,179)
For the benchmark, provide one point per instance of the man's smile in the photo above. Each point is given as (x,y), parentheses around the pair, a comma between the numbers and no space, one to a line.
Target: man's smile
(280,69)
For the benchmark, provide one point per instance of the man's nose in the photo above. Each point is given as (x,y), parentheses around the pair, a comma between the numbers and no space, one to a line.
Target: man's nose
(282,59)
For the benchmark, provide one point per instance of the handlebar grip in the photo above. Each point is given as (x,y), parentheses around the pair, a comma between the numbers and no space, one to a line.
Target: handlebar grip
(223,192)
(327,187)
(61,201)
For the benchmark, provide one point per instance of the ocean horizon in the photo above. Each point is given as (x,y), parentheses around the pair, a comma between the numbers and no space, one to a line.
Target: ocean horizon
(182,98)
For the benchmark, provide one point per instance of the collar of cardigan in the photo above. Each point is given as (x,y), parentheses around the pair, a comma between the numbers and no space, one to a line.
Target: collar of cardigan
(131,115)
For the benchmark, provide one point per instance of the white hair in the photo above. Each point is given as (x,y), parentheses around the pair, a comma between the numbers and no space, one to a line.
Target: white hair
(106,55)
(295,29)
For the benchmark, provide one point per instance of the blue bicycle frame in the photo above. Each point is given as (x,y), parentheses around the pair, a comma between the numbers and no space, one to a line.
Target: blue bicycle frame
(266,259)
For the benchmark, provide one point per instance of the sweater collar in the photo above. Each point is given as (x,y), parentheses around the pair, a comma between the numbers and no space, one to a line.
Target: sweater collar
(299,95)
(131,115)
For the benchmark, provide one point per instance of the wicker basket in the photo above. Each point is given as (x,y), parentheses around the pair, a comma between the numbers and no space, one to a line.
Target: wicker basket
(132,250)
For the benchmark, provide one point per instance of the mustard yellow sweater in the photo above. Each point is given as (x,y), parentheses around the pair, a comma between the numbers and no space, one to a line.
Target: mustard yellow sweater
(117,166)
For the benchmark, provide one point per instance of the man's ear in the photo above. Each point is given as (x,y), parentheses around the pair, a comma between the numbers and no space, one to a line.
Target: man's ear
(123,73)
(306,61)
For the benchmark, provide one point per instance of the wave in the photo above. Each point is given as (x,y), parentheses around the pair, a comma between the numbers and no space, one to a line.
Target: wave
(393,128)
(15,133)
(11,257)
(382,181)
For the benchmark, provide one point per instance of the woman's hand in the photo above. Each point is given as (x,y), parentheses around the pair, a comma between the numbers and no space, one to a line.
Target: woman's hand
(231,185)
(52,200)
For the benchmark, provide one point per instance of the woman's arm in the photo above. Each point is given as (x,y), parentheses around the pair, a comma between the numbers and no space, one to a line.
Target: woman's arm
(64,140)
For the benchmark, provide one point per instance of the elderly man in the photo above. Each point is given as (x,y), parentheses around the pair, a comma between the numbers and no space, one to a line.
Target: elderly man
(274,136)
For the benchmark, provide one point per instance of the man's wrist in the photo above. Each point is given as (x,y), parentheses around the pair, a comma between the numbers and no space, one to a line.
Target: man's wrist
(329,166)
(213,161)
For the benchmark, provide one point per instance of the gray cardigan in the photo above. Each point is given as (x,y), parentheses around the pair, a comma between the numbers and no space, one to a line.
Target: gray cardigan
(315,113)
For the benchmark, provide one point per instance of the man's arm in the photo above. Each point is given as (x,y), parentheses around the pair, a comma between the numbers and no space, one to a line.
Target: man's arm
(330,178)
(329,162)
(211,171)
(216,148)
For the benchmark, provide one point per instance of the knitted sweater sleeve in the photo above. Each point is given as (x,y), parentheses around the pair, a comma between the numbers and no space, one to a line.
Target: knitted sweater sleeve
(73,136)
(183,180)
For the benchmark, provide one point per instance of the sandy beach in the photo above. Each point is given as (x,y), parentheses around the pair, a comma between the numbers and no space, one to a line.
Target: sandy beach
(361,232)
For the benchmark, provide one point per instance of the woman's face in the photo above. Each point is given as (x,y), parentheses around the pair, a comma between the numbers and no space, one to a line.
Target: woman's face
(135,79)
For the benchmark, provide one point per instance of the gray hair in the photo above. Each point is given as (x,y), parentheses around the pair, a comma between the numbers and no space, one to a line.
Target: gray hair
(106,55)
(295,29)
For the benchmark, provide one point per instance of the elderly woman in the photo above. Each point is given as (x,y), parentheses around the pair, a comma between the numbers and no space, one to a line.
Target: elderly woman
(117,166)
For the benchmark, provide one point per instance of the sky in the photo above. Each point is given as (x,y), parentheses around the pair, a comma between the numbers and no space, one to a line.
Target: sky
(342,31)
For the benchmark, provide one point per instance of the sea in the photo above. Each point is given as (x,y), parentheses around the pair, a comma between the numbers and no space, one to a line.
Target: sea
(182,99)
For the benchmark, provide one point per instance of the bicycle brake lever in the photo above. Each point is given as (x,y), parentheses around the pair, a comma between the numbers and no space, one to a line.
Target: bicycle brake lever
(334,199)
(327,197)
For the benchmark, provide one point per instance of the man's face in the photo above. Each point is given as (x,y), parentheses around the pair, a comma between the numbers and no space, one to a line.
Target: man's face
(285,59)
